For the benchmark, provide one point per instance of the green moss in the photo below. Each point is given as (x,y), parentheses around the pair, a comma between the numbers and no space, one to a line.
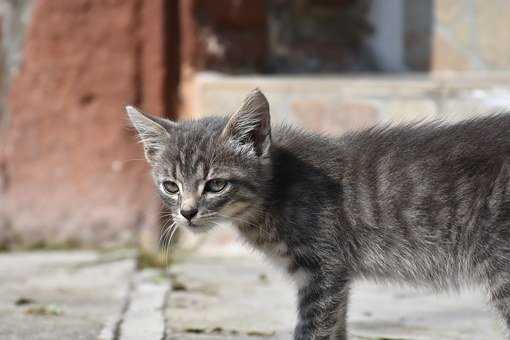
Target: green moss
(147,259)
(160,278)
(45,245)
(45,310)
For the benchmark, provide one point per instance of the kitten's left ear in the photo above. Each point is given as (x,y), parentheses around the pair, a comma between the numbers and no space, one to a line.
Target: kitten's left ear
(153,131)
(250,126)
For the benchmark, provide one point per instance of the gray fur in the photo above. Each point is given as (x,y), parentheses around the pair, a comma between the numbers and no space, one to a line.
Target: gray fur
(422,204)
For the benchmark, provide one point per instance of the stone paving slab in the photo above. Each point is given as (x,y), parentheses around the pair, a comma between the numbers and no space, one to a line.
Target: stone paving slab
(61,295)
(143,317)
(89,295)
(243,298)
(228,298)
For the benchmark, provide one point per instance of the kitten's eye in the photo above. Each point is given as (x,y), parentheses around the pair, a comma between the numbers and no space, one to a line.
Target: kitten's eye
(215,185)
(170,187)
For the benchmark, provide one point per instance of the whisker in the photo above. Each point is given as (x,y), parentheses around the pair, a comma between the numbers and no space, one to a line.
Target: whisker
(167,252)
(164,238)
(165,229)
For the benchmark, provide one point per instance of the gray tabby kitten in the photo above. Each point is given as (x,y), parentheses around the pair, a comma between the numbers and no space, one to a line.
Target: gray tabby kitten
(426,204)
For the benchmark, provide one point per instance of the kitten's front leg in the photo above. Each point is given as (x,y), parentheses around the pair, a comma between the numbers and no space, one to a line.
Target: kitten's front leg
(322,305)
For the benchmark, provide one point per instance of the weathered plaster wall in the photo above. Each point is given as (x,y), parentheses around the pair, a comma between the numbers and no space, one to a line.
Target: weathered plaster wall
(72,169)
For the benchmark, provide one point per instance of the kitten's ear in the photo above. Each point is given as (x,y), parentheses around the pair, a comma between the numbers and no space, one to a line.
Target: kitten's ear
(250,125)
(153,131)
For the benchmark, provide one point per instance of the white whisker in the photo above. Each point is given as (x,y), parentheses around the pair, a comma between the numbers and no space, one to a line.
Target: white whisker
(163,239)
(170,240)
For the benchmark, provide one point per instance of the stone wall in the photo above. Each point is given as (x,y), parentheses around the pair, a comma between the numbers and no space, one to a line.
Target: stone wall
(471,35)
(338,104)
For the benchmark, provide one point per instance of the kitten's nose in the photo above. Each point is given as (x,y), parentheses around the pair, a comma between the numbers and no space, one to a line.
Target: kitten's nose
(189,213)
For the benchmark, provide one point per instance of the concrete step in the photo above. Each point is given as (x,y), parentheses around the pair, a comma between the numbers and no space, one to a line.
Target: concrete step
(334,104)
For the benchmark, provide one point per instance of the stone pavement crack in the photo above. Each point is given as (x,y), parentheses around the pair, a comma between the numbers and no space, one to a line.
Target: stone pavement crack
(112,331)
(242,298)
(125,307)
(70,300)
(163,309)
(144,317)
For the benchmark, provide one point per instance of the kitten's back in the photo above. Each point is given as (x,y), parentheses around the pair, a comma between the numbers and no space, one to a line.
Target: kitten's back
(433,193)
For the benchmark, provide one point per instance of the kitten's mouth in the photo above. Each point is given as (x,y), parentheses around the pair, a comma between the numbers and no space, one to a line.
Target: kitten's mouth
(198,227)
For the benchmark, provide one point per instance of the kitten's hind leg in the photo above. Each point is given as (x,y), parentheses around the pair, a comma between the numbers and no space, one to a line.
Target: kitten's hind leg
(322,310)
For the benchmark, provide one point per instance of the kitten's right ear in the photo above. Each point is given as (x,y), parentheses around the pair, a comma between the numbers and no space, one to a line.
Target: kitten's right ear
(153,131)
(250,125)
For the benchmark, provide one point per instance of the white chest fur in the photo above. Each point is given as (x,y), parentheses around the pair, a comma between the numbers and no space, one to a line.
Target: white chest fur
(278,255)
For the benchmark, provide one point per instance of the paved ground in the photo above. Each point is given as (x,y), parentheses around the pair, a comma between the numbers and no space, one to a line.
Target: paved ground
(244,299)
(87,295)
(55,295)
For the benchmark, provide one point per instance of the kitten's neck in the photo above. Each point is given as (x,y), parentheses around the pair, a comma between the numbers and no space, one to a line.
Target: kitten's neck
(256,229)
(305,177)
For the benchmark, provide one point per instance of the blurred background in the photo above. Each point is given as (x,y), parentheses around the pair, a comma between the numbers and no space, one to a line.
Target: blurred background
(73,178)
(71,172)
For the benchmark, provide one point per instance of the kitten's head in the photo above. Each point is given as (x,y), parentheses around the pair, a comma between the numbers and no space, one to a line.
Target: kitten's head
(210,170)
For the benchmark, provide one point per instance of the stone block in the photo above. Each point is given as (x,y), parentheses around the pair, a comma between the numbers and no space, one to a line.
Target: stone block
(471,35)
(408,110)
(333,116)
(447,55)
(462,104)
(493,36)
(233,295)
(62,295)
(327,104)
(448,11)
(336,104)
